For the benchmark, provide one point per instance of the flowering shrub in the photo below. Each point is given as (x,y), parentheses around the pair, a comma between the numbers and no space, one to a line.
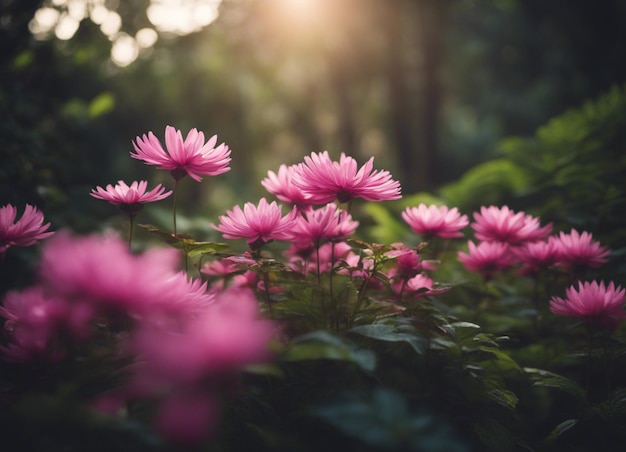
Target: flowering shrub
(314,336)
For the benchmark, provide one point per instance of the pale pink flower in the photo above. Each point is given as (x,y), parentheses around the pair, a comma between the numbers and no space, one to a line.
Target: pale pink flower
(324,180)
(435,221)
(595,303)
(258,224)
(486,257)
(504,225)
(26,231)
(281,185)
(191,157)
(135,194)
(220,267)
(536,256)
(580,251)
(328,223)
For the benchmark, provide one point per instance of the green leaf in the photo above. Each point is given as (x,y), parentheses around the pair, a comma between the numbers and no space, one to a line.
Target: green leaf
(392,333)
(503,397)
(324,345)
(101,104)
(562,428)
(546,379)
(185,242)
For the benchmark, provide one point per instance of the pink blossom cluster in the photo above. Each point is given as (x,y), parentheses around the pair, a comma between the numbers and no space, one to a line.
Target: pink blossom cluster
(506,239)
(186,342)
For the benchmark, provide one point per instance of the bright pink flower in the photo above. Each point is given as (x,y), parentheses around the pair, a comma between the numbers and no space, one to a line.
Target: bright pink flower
(539,255)
(579,250)
(258,224)
(192,156)
(504,225)
(135,194)
(101,271)
(328,223)
(437,221)
(594,303)
(26,231)
(324,180)
(281,185)
(487,257)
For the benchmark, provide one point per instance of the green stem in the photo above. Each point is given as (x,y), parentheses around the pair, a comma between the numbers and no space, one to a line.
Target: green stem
(130,232)
(175,198)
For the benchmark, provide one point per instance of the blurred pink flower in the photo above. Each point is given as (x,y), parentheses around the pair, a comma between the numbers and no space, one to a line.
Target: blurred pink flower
(101,271)
(487,257)
(537,256)
(328,223)
(26,231)
(324,180)
(191,157)
(228,335)
(580,251)
(504,225)
(187,418)
(437,221)
(35,321)
(281,185)
(258,224)
(135,194)
(303,257)
(594,303)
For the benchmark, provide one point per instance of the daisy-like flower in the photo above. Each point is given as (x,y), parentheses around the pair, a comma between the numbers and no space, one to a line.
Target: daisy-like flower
(578,250)
(486,257)
(324,180)
(328,223)
(505,225)
(191,156)
(595,303)
(435,221)
(26,231)
(258,224)
(130,198)
(419,286)
(281,185)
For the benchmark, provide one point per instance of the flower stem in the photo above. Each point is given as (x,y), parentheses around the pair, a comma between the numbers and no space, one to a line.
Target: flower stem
(130,232)
(175,198)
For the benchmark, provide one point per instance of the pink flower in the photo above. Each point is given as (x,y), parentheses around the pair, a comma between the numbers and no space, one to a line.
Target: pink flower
(227,336)
(328,223)
(435,221)
(191,157)
(102,272)
(487,257)
(579,250)
(536,256)
(303,257)
(504,225)
(258,224)
(281,185)
(135,194)
(422,286)
(594,303)
(36,321)
(324,180)
(24,232)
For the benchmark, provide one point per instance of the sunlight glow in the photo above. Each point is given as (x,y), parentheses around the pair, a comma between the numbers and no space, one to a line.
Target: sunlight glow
(182,17)
(62,18)
(125,50)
